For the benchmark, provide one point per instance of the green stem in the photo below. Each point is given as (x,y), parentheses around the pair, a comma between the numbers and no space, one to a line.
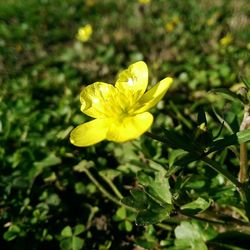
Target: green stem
(164,226)
(243,173)
(104,191)
(112,186)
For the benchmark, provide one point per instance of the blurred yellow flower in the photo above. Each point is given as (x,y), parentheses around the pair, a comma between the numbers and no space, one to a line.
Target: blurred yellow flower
(90,2)
(170,26)
(120,111)
(226,40)
(84,33)
(213,19)
(144,1)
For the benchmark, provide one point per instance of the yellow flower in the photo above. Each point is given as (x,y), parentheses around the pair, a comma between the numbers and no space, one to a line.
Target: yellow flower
(120,111)
(144,1)
(226,40)
(90,2)
(170,26)
(84,33)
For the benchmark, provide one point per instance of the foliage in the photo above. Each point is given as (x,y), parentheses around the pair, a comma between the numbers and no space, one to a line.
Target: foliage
(57,196)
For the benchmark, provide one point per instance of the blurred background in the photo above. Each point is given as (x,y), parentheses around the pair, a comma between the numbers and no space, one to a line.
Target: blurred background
(49,50)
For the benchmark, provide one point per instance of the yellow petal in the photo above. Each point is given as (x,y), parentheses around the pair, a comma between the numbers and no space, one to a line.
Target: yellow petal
(129,128)
(97,100)
(133,81)
(153,96)
(89,133)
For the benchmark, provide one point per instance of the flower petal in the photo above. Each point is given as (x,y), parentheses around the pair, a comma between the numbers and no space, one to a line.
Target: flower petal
(153,96)
(134,80)
(97,100)
(89,133)
(130,127)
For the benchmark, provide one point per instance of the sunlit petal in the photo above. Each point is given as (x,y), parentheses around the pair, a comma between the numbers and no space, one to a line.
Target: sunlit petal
(153,96)
(129,127)
(89,133)
(133,81)
(97,100)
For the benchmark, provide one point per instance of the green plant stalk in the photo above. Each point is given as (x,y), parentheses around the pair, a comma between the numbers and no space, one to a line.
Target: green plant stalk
(112,186)
(104,191)
(243,175)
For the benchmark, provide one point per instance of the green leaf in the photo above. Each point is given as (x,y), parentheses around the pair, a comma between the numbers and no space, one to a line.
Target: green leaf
(138,199)
(152,216)
(197,206)
(128,225)
(110,173)
(67,232)
(66,244)
(226,93)
(77,243)
(246,82)
(12,233)
(178,141)
(193,235)
(175,154)
(243,136)
(79,229)
(234,139)
(53,200)
(157,188)
(50,160)
(121,213)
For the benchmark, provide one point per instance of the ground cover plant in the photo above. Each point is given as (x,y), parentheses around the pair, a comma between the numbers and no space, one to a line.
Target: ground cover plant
(180,184)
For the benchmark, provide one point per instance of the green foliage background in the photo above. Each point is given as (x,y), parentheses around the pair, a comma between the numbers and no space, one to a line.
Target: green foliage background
(47,200)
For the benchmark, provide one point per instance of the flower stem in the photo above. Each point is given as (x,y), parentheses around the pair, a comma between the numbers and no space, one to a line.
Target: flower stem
(243,175)
(112,186)
(104,191)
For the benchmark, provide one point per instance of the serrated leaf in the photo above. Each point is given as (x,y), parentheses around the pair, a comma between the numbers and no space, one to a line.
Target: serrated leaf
(138,199)
(157,188)
(152,217)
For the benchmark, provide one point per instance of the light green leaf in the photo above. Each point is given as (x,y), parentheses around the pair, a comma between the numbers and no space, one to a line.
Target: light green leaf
(199,205)
(67,232)
(79,229)
(77,243)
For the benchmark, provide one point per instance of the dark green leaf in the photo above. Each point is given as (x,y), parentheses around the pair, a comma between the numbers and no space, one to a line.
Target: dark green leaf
(226,93)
